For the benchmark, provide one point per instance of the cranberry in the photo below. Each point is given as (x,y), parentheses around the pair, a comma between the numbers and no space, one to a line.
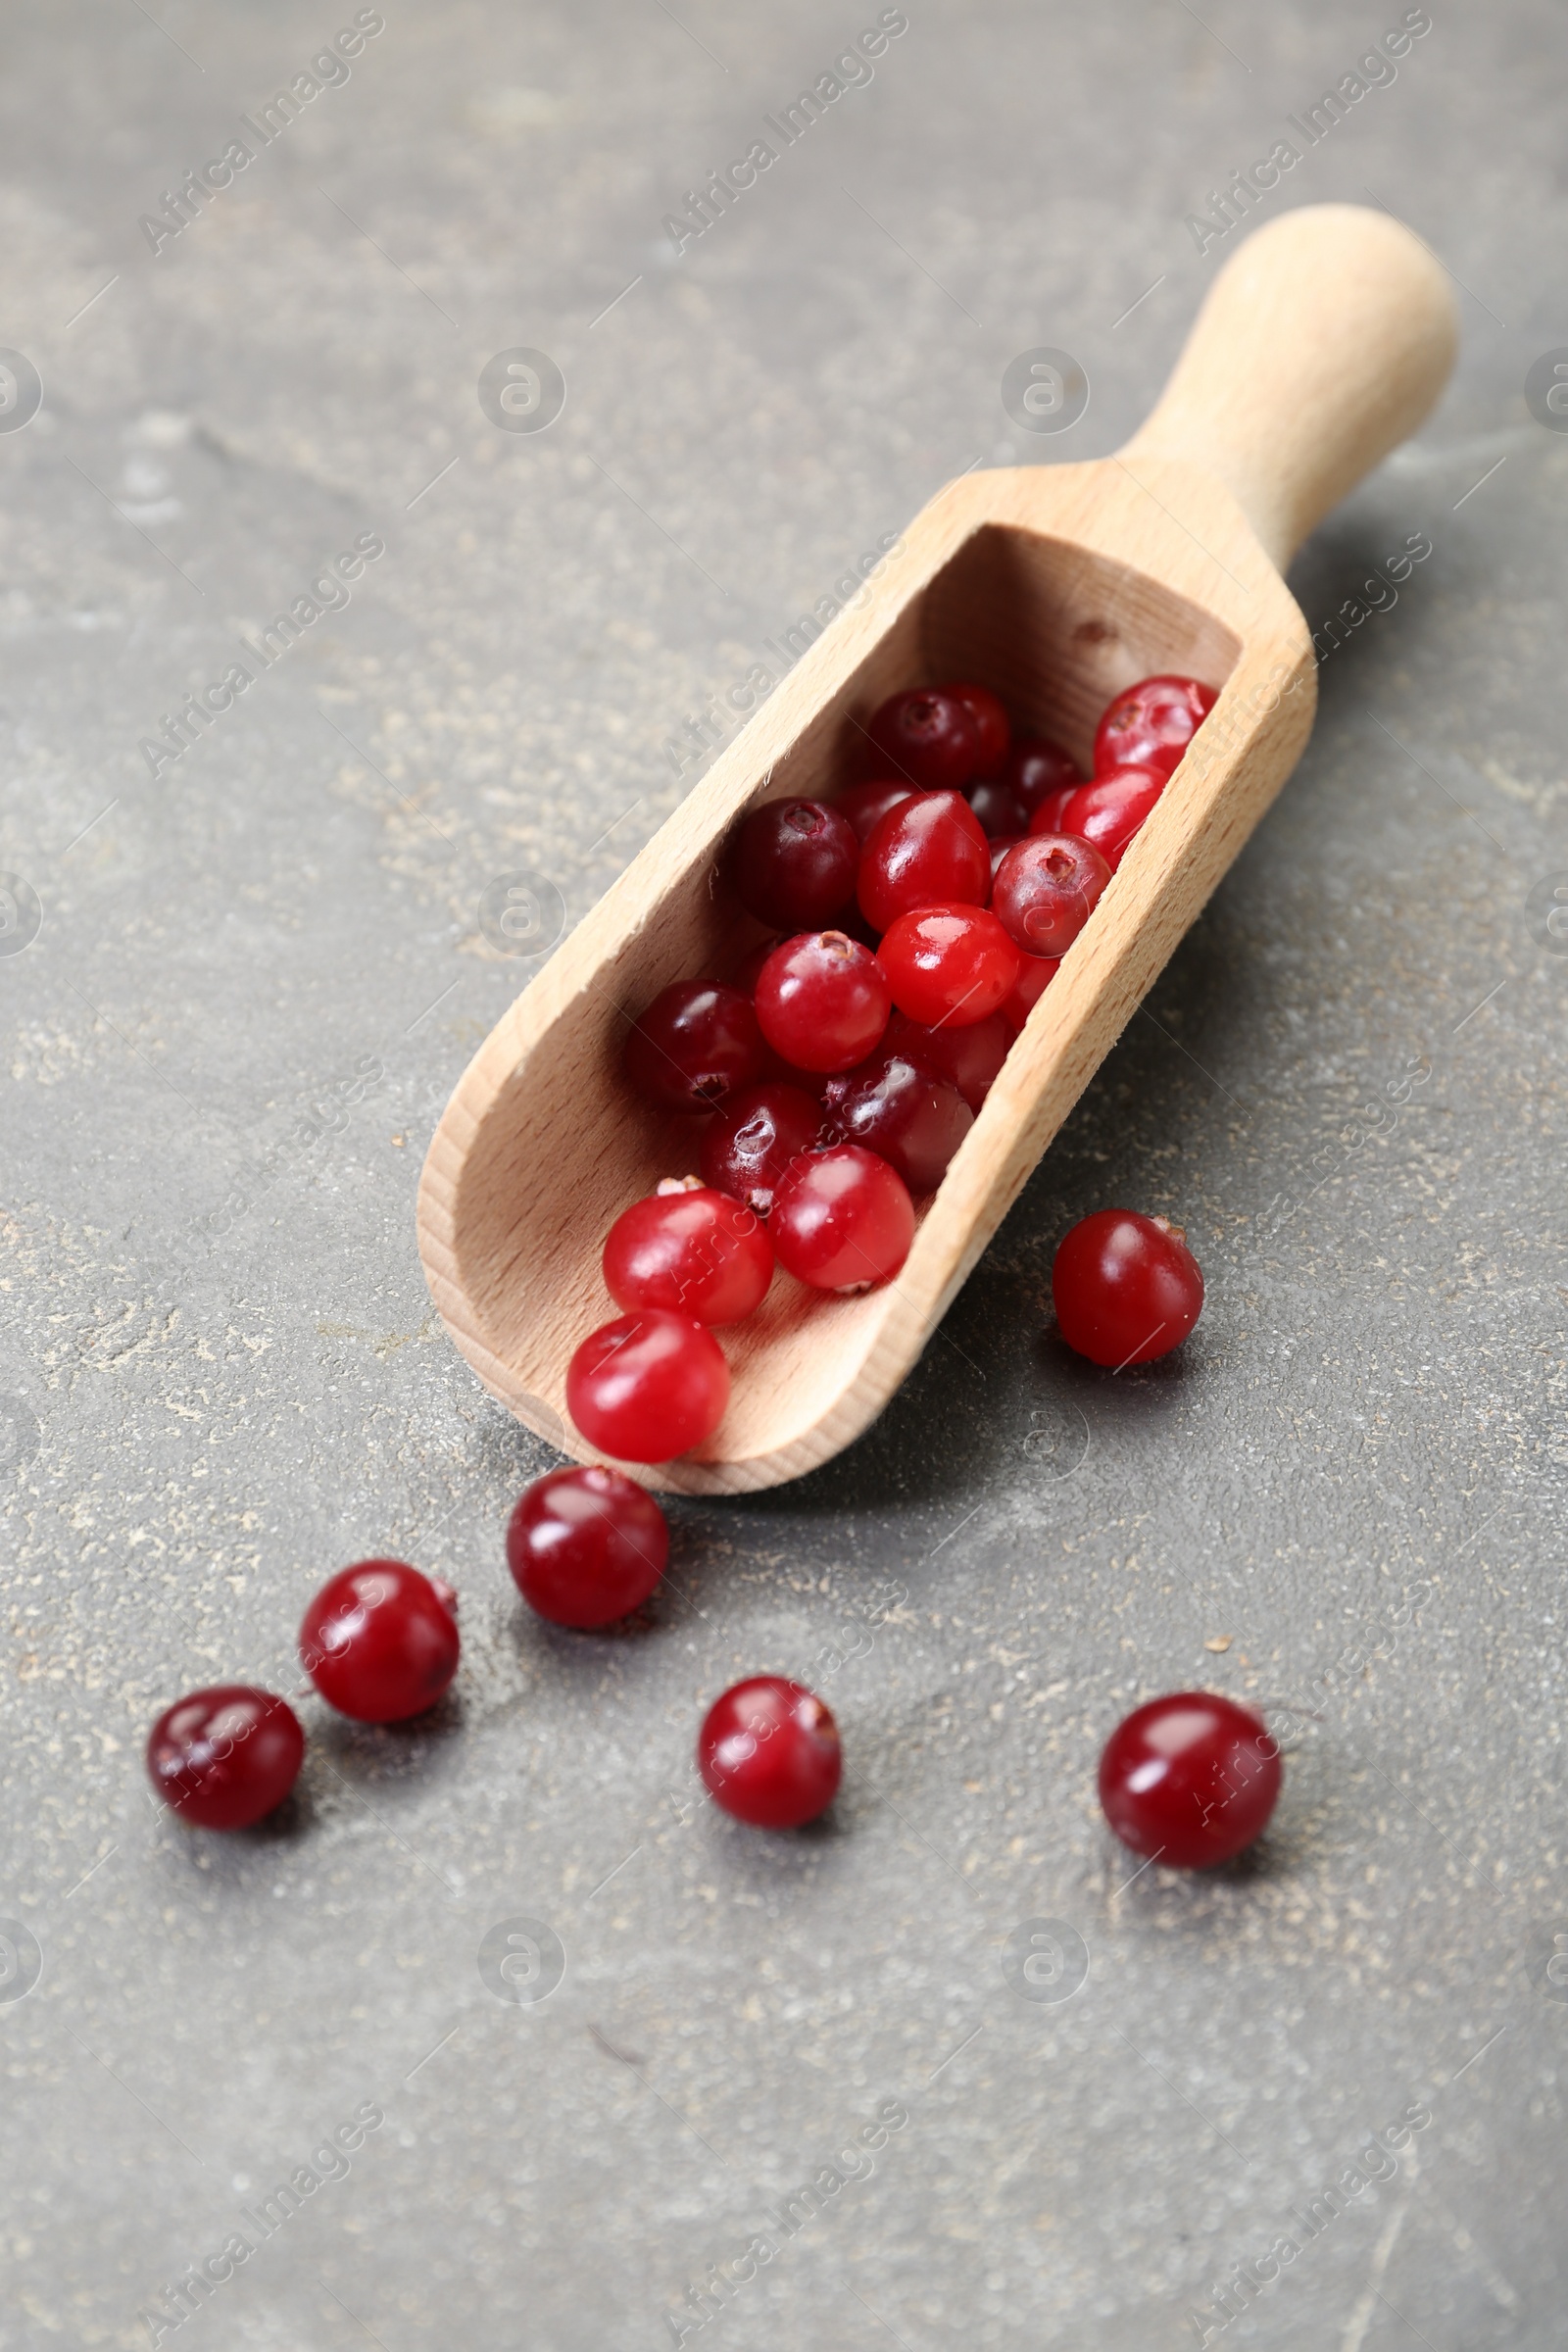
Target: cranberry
(991,725)
(1150,724)
(842,1219)
(1126,1288)
(1037,766)
(694,1250)
(752,1141)
(949,964)
(898,1109)
(822,1000)
(928,852)
(1110,811)
(379,1641)
(697,1041)
(222,1758)
(927,736)
(768,1752)
(793,865)
(1034,975)
(967,1058)
(649,1385)
(1050,810)
(863,806)
(1191,1778)
(999,809)
(586,1546)
(1046,890)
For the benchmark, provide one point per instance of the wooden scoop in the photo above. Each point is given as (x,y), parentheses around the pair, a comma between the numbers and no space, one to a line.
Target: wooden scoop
(1322,343)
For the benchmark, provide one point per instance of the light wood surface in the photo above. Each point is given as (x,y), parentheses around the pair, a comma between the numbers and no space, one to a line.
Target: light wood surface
(1323,341)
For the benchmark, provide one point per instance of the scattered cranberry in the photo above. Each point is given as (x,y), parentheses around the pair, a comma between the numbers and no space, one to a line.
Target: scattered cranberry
(898,1109)
(969,1058)
(1037,766)
(649,1385)
(991,725)
(1126,1288)
(948,964)
(768,1752)
(928,852)
(1046,890)
(822,1000)
(752,1141)
(692,1250)
(1150,724)
(793,865)
(1110,811)
(222,1758)
(999,809)
(697,1041)
(1191,1778)
(380,1642)
(1034,975)
(929,737)
(863,806)
(586,1546)
(842,1220)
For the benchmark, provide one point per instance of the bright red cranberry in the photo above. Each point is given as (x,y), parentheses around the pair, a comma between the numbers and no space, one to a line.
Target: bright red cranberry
(1191,1778)
(1036,767)
(991,725)
(697,1041)
(692,1250)
(822,1000)
(380,1642)
(222,1758)
(863,806)
(793,865)
(949,964)
(752,1141)
(1150,724)
(768,1752)
(1046,890)
(649,1385)
(1110,811)
(928,852)
(586,1546)
(1126,1288)
(898,1109)
(842,1220)
(1034,975)
(967,1058)
(999,809)
(927,736)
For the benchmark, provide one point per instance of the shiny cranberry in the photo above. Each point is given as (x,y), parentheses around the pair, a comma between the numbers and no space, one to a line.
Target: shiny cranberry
(695,1043)
(842,1219)
(692,1250)
(1046,890)
(991,726)
(863,806)
(379,1641)
(753,1139)
(999,809)
(1150,724)
(222,1758)
(793,865)
(928,852)
(1110,810)
(586,1546)
(822,1000)
(967,1058)
(648,1387)
(1034,975)
(1126,1288)
(949,965)
(1036,767)
(927,736)
(896,1108)
(768,1752)
(1190,1779)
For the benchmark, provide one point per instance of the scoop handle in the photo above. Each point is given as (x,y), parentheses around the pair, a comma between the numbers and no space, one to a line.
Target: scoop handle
(1324,340)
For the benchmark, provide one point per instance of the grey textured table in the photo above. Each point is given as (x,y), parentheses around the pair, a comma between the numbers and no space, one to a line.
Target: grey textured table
(257,975)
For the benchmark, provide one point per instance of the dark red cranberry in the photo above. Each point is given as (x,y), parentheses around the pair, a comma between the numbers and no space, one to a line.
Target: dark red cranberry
(898,1109)
(1036,767)
(864,805)
(749,970)
(1110,810)
(822,1000)
(768,1752)
(648,1387)
(842,1219)
(379,1641)
(967,1058)
(1034,975)
(928,737)
(1126,1288)
(999,809)
(1046,890)
(793,865)
(692,1250)
(222,1758)
(928,852)
(697,1041)
(1150,724)
(753,1139)
(586,1546)
(1190,1779)
(949,964)
(991,725)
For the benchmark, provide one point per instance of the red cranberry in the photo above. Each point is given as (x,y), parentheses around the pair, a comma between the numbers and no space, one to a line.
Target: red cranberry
(967,1058)
(380,1642)
(695,1043)
(689,1248)
(1191,1778)
(928,852)
(1126,1288)
(991,725)
(842,1219)
(1034,975)
(768,1752)
(927,736)
(1037,766)
(949,964)
(586,1546)
(1049,811)
(999,809)
(822,1000)
(898,1109)
(1110,810)
(752,1141)
(1046,890)
(222,1758)
(864,805)
(793,865)
(1150,724)
(649,1385)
